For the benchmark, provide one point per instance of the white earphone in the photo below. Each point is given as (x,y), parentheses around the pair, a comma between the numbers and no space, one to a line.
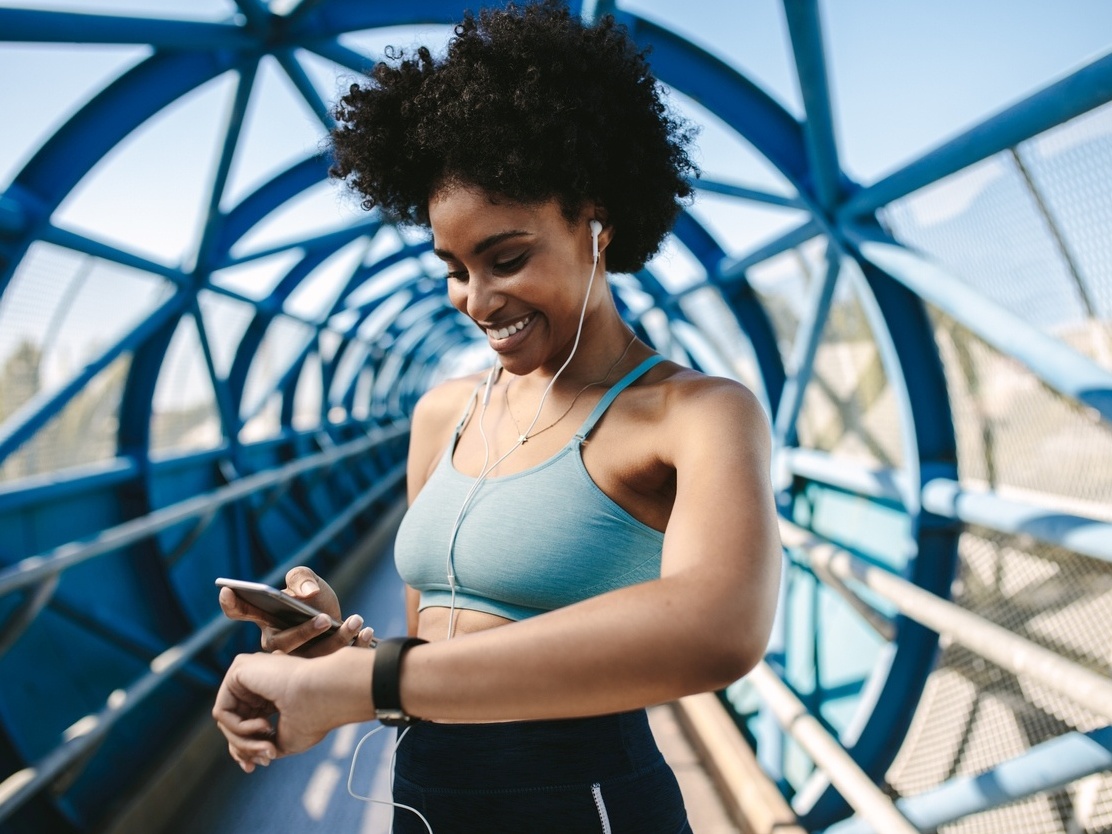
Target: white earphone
(596,230)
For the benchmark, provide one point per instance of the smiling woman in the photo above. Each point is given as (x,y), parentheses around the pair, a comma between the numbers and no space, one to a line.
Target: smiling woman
(574,549)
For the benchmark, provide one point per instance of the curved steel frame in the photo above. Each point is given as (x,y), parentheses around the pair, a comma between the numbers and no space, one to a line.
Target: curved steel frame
(402,359)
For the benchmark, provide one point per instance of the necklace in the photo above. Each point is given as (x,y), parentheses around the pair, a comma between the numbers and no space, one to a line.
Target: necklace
(522,437)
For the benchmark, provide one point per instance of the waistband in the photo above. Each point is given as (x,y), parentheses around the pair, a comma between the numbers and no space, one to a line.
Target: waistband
(527,754)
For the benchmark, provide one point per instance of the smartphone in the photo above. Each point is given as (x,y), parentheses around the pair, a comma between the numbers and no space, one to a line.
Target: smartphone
(286,610)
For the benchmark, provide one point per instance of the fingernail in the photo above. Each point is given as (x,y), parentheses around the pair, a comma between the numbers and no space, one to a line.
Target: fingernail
(354,622)
(366,634)
(243,767)
(308,587)
(321,621)
(264,762)
(270,754)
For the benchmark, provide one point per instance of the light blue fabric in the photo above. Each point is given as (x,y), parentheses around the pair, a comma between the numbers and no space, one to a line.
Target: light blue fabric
(529,542)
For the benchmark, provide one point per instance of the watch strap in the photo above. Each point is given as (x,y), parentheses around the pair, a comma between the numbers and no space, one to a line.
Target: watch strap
(386,680)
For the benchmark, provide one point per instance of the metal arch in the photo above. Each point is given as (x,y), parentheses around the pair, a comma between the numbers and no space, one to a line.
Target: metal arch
(739,295)
(783,142)
(98,127)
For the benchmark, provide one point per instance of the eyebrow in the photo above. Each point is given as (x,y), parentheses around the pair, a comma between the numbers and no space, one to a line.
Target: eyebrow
(485,243)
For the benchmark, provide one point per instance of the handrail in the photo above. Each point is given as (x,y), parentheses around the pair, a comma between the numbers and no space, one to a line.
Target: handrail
(992,642)
(1045,767)
(34,569)
(948,498)
(1081,534)
(87,732)
(1064,369)
(844,773)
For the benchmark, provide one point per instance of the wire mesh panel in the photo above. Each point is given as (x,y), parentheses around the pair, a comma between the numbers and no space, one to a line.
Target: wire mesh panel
(1017,228)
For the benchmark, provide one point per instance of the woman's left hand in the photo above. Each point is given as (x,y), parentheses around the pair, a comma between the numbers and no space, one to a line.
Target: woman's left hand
(260,689)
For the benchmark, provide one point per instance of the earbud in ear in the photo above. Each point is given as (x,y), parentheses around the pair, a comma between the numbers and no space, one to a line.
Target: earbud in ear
(596,230)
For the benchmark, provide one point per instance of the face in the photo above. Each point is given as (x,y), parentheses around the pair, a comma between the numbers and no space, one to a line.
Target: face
(519,271)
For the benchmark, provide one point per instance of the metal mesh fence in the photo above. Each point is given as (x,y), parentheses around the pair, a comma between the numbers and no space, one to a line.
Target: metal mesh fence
(1030,229)
(974,715)
(61,310)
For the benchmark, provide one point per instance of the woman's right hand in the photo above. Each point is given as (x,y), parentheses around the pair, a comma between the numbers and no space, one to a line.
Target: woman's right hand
(305,640)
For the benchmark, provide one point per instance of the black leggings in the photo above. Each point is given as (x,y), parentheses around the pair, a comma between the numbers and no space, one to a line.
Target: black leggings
(600,775)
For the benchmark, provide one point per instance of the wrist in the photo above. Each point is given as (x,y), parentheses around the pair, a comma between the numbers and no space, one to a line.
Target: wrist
(386,678)
(341,680)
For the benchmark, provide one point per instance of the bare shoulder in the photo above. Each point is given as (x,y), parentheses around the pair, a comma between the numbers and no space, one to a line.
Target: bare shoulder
(707,412)
(434,417)
(440,407)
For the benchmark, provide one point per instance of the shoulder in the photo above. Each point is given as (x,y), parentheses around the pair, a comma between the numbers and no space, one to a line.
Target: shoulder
(434,417)
(441,407)
(707,415)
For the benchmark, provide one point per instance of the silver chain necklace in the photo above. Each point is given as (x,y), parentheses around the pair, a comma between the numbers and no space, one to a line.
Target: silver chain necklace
(524,438)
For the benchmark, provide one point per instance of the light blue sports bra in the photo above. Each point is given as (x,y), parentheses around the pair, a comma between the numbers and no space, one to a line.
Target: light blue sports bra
(529,542)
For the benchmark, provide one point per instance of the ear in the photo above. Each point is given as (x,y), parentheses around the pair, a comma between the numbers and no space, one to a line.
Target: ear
(599,214)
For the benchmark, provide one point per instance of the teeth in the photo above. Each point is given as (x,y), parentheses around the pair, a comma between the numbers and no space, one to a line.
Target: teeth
(506,332)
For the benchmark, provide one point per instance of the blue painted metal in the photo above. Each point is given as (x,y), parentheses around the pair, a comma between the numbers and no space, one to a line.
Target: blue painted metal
(20,426)
(1045,767)
(805,29)
(35,26)
(1059,366)
(732,268)
(1088,536)
(806,345)
(96,128)
(1087,88)
(745,193)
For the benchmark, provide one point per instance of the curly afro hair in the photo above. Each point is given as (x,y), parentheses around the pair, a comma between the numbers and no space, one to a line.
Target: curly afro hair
(530,104)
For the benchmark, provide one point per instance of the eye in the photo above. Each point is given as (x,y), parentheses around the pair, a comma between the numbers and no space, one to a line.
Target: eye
(512,264)
(457,275)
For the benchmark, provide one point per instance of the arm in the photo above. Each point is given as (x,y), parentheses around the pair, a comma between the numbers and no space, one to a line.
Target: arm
(702,625)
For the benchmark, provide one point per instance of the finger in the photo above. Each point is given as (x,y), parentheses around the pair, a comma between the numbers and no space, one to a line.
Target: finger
(345,635)
(302,582)
(289,640)
(366,638)
(235,608)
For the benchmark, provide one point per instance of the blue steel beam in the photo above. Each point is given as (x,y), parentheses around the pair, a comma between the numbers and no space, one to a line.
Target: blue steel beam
(34,26)
(806,345)
(1049,766)
(98,249)
(305,87)
(745,193)
(1059,366)
(19,427)
(805,29)
(232,131)
(733,268)
(117,110)
(1089,87)
(1088,536)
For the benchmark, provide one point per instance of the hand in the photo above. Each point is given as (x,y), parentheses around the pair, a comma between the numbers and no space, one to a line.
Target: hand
(272,705)
(304,640)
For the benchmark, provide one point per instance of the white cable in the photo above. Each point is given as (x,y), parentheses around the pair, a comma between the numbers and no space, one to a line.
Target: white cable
(485,471)
(393,755)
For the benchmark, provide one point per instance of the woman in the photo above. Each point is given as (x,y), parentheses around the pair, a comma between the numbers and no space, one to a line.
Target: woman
(591,528)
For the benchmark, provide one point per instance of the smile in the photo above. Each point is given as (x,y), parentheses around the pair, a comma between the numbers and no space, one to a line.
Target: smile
(506,332)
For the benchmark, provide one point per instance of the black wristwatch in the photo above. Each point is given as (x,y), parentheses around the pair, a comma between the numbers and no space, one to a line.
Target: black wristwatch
(386,681)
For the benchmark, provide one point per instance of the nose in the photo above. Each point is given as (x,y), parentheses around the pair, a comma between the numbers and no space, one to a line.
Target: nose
(483,299)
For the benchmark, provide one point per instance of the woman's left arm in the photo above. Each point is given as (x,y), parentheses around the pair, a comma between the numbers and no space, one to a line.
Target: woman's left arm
(702,625)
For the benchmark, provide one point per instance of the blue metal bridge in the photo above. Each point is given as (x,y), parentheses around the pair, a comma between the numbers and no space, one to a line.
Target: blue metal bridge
(208,358)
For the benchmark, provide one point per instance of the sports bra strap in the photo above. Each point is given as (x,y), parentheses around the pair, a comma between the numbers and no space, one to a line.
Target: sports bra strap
(467,411)
(612,394)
